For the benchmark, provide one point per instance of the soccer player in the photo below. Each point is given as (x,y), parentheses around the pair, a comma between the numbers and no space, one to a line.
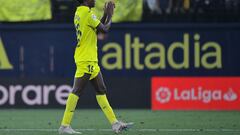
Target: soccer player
(86,59)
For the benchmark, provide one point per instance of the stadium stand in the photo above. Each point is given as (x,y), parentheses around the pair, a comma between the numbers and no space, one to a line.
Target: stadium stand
(168,10)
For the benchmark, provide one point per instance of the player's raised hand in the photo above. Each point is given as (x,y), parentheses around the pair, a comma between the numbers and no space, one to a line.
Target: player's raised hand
(105,8)
(113,3)
(110,8)
(107,17)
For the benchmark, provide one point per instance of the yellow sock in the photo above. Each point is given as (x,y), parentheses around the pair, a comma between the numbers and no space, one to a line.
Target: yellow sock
(106,108)
(70,108)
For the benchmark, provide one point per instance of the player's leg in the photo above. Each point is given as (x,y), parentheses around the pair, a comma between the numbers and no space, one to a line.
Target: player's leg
(102,100)
(78,87)
(101,97)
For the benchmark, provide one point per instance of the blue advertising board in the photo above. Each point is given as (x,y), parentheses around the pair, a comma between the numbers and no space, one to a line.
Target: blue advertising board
(41,50)
(37,65)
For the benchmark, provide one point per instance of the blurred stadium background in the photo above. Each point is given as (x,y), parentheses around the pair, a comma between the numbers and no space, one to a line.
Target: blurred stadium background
(171,66)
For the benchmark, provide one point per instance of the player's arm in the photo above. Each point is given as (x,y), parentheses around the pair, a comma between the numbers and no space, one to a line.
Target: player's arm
(105,25)
(104,17)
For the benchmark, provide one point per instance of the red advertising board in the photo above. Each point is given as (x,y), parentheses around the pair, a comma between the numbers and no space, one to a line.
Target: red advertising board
(195,93)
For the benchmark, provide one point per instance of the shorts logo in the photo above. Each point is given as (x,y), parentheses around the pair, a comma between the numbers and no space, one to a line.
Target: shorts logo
(163,95)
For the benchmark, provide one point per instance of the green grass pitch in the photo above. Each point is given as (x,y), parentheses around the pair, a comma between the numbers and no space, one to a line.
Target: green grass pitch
(147,122)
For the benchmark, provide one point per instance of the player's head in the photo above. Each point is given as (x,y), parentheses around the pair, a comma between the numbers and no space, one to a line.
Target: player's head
(89,3)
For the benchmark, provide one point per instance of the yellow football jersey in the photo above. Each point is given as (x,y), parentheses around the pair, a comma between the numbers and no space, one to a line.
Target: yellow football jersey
(85,23)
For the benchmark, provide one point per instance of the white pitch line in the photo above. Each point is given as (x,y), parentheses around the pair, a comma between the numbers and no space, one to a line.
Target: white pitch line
(138,130)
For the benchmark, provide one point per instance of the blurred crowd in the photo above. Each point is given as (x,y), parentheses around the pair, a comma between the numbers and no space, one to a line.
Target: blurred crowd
(192,10)
(168,10)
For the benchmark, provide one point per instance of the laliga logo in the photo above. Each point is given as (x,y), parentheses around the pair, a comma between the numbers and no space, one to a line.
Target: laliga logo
(163,94)
(200,94)
(230,95)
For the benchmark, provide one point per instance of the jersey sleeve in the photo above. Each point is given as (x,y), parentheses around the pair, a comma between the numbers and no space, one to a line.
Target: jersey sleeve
(93,21)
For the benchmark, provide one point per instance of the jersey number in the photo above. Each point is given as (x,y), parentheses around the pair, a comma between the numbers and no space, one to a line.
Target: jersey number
(90,68)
